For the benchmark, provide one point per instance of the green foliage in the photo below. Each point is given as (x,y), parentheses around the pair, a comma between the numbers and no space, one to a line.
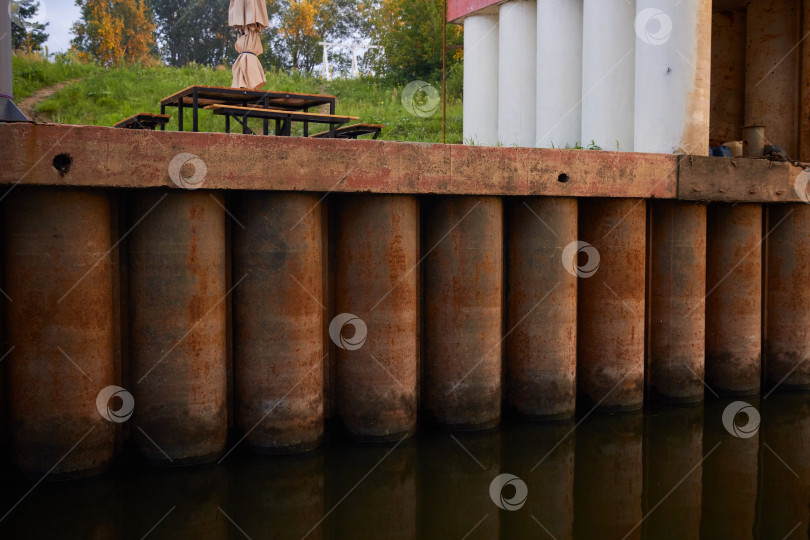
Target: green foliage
(106,96)
(31,35)
(411,33)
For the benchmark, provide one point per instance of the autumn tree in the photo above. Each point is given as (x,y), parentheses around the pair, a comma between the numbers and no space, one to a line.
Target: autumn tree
(410,31)
(302,24)
(26,33)
(115,31)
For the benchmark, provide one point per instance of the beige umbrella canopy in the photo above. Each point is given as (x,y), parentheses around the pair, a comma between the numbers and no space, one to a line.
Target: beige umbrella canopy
(250,18)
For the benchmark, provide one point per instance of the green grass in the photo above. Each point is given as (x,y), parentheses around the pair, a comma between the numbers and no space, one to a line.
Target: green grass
(105,96)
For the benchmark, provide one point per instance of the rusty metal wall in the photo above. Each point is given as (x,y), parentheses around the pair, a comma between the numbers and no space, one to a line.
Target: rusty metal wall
(727,75)
(177,296)
(677,292)
(772,71)
(734,298)
(59,318)
(377,252)
(542,308)
(278,317)
(610,302)
(463,285)
(804,82)
(788,297)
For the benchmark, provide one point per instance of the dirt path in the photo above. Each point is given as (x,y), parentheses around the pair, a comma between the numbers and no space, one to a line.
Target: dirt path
(27,105)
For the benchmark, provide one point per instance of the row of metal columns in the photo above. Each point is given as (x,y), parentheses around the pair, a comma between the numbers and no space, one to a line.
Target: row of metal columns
(444,289)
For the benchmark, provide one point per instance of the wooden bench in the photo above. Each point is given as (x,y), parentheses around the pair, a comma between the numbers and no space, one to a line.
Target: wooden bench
(352,132)
(144,121)
(284,119)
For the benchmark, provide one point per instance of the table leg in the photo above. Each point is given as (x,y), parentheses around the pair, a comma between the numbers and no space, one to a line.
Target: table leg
(227,123)
(266,120)
(163,111)
(194,121)
(180,115)
(306,124)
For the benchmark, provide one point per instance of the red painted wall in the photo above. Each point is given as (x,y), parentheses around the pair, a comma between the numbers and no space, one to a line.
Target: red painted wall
(460,8)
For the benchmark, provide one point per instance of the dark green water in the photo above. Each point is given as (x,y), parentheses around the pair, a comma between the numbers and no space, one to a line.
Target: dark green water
(670,473)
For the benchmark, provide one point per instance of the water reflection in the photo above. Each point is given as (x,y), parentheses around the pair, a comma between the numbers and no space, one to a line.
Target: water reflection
(674,472)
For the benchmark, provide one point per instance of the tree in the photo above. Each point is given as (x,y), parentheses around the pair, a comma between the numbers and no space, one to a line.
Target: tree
(115,31)
(302,24)
(25,32)
(410,31)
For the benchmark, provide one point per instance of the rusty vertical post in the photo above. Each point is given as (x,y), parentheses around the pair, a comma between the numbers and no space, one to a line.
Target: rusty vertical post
(677,292)
(787,349)
(734,298)
(610,336)
(542,308)
(608,483)
(278,317)
(376,294)
(463,311)
(60,321)
(673,449)
(177,322)
(804,82)
(772,70)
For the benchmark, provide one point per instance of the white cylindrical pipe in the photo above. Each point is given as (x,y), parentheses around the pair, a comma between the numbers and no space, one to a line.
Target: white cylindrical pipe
(481,80)
(673,75)
(517,73)
(608,67)
(559,73)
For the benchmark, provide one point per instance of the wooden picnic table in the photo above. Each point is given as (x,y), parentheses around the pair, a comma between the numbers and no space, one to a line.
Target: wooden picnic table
(144,121)
(203,96)
(283,119)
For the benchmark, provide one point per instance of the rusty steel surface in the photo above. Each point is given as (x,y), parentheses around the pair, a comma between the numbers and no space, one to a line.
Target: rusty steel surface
(457,9)
(737,180)
(727,76)
(278,317)
(610,335)
(673,449)
(463,285)
(788,300)
(772,71)
(542,308)
(138,158)
(609,459)
(58,275)
(677,292)
(177,326)
(804,82)
(377,250)
(734,298)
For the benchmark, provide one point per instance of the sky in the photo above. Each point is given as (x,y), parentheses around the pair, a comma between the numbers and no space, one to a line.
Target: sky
(61,14)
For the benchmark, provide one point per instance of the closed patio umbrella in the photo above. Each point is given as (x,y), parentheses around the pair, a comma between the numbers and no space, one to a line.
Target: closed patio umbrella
(250,18)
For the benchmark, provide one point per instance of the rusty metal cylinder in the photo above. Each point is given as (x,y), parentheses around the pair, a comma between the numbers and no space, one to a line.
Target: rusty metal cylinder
(177,294)
(677,292)
(59,320)
(734,298)
(542,308)
(376,320)
(278,317)
(610,260)
(787,349)
(463,287)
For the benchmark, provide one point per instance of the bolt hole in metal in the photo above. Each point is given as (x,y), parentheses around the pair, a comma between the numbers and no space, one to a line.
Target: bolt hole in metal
(62,163)
(563,178)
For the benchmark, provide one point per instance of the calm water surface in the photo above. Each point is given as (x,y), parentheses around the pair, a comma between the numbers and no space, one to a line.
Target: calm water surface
(669,473)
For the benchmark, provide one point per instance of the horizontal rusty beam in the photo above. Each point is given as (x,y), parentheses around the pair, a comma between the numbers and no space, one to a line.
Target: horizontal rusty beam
(458,9)
(107,157)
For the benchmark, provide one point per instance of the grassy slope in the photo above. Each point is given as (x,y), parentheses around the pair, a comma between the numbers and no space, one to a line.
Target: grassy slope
(105,96)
